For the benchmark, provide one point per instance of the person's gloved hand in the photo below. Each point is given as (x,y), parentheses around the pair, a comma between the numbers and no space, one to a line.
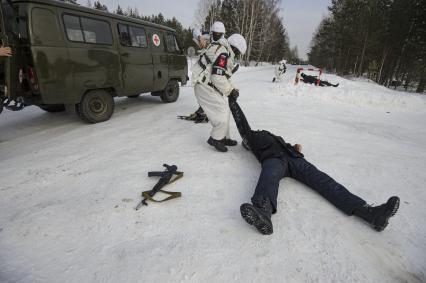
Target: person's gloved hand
(234,94)
(235,68)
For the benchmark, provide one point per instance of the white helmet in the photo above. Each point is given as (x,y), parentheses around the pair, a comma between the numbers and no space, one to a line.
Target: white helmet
(218,27)
(238,41)
(196,33)
(283,62)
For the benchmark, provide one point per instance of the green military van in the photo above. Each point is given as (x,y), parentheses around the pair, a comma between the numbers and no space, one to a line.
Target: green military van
(70,57)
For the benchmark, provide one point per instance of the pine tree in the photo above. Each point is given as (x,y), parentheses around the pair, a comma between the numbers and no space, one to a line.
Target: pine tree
(119,10)
(382,39)
(97,5)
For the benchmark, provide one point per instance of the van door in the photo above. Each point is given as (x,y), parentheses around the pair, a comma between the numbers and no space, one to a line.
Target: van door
(136,59)
(7,16)
(160,59)
(177,61)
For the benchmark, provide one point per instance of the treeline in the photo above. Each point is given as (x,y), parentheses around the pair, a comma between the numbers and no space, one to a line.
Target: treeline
(259,21)
(183,34)
(384,40)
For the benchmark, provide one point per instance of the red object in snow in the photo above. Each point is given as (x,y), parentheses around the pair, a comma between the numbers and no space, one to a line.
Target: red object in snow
(297,79)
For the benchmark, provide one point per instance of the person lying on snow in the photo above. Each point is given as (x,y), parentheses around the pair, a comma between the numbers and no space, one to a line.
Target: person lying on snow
(279,160)
(313,80)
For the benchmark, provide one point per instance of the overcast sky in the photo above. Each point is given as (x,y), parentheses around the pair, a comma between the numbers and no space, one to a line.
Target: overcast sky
(301,18)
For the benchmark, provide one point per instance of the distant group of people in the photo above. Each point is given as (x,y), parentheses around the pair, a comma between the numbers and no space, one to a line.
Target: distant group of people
(217,96)
(281,68)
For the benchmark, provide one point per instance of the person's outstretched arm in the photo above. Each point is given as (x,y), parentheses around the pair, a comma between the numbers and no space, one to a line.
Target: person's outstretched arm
(240,119)
(5,51)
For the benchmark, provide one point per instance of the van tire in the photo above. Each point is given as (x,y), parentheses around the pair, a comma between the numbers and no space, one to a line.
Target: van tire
(96,106)
(171,92)
(133,96)
(52,108)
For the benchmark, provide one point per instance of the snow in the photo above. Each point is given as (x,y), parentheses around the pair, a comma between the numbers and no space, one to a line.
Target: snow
(68,190)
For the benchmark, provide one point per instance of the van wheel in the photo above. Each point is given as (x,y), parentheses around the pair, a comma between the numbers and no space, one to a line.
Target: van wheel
(171,92)
(52,108)
(133,96)
(96,106)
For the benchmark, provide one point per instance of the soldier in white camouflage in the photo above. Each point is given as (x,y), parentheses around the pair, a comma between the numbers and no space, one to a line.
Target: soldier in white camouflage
(212,84)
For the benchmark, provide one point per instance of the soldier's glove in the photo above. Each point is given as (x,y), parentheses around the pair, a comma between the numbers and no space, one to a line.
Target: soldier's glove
(235,69)
(234,94)
(298,147)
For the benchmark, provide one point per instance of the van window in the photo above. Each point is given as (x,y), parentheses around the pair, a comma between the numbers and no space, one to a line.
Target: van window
(15,19)
(123,31)
(132,36)
(96,31)
(87,30)
(171,43)
(138,37)
(42,18)
(72,25)
(10,18)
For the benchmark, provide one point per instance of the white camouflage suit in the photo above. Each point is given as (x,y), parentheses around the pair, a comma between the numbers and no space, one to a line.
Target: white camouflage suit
(212,85)
(280,70)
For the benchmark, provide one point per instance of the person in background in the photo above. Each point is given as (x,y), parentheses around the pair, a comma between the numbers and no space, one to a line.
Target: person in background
(280,71)
(202,39)
(313,80)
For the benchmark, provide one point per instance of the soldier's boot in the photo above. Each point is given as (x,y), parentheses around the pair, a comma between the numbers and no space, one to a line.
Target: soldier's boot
(201,118)
(200,111)
(229,142)
(197,113)
(378,216)
(258,214)
(218,144)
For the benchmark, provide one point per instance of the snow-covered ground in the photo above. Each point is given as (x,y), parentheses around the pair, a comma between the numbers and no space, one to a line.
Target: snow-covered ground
(68,190)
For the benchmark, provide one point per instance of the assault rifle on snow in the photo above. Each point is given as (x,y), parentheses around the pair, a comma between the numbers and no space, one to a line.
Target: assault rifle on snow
(167,176)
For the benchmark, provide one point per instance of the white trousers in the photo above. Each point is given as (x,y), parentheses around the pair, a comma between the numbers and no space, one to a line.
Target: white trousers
(216,108)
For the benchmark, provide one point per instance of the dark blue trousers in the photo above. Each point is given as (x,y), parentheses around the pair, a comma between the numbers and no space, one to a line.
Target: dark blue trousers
(275,169)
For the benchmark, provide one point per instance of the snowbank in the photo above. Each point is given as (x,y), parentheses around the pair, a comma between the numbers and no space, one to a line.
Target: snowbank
(68,190)
(360,93)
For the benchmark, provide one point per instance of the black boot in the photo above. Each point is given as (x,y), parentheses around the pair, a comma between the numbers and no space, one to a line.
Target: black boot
(218,144)
(378,216)
(200,111)
(229,142)
(259,215)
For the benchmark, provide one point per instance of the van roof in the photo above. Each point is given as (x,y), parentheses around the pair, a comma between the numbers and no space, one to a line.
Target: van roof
(79,8)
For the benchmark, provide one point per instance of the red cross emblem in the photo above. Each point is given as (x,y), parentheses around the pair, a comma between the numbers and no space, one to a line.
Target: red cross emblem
(156,39)
(222,61)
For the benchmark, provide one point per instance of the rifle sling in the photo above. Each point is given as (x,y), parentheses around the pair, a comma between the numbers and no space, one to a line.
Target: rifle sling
(172,195)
